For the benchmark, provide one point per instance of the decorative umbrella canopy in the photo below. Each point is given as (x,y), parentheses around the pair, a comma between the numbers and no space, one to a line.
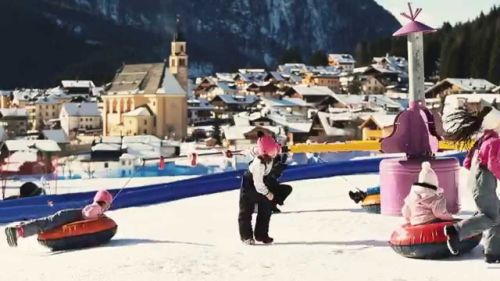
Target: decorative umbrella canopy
(413,26)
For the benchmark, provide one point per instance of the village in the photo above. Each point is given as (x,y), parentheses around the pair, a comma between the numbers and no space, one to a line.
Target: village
(148,111)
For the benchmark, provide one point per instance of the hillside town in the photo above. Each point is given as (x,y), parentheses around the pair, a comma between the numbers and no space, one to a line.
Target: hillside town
(149,109)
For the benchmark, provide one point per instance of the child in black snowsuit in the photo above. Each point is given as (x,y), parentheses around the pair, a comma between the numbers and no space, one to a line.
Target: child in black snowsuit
(254,191)
(280,191)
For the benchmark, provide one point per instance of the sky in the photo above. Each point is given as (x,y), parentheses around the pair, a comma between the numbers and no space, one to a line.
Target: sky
(435,12)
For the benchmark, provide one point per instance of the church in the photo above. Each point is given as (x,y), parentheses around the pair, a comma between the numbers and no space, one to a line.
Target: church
(149,99)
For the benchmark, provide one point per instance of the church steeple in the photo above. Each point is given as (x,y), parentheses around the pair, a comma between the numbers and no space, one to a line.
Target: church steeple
(178,60)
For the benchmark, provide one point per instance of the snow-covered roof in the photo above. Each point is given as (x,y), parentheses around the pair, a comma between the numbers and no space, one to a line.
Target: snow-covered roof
(14,112)
(170,85)
(225,77)
(27,94)
(147,139)
(236,99)
(496,90)
(342,58)
(42,145)
(327,119)
(306,90)
(127,156)
(286,102)
(238,132)
(111,139)
(81,109)
(58,136)
(382,120)
(140,111)
(466,85)
(106,147)
(77,84)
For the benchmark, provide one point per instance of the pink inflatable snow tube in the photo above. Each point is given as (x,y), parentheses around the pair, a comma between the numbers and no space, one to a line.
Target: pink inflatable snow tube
(398,175)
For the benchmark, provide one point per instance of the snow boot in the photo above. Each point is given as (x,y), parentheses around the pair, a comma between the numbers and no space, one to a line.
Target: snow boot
(491,258)
(11,233)
(276,210)
(357,196)
(249,241)
(265,240)
(452,240)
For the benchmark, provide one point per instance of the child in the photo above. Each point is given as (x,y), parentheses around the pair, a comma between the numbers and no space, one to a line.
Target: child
(483,161)
(426,203)
(254,191)
(102,202)
(280,191)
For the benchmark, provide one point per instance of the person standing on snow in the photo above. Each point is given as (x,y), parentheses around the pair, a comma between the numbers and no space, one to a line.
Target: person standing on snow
(101,203)
(483,161)
(280,191)
(254,191)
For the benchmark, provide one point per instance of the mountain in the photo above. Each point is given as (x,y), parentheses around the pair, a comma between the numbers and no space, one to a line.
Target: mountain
(470,49)
(47,40)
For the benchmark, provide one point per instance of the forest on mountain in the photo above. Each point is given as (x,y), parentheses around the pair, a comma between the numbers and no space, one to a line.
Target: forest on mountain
(470,49)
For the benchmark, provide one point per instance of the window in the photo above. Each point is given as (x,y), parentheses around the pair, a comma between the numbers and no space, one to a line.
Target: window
(46,114)
(21,123)
(145,122)
(154,121)
(182,48)
(46,107)
(53,107)
(145,132)
(105,164)
(81,119)
(182,62)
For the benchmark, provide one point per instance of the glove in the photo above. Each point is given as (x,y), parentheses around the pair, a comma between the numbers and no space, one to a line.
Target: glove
(284,149)
(270,196)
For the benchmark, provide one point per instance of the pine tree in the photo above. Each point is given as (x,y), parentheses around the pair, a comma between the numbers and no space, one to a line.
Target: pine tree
(217,134)
(494,65)
(318,58)
(291,55)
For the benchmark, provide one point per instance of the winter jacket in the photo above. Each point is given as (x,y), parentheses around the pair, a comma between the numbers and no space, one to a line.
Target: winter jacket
(487,152)
(259,170)
(92,211)
(424,205)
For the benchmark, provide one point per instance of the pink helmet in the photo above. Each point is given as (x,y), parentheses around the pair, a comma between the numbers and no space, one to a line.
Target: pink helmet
(266,145)
(103,195)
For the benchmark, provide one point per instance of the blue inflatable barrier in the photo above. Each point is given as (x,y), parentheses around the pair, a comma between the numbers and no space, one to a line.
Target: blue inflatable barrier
(40,206)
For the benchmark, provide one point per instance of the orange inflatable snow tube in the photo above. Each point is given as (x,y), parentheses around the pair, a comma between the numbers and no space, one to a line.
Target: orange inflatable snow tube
(80,234)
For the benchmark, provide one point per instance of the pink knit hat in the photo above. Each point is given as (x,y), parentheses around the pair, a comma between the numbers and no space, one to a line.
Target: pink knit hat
(266,145)
(103,195)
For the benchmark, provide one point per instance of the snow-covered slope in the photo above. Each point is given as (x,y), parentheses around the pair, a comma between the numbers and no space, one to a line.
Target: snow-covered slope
(321,235)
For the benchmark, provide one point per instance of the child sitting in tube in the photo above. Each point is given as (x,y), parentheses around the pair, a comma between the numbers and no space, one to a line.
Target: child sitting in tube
(101,203)
(426,202)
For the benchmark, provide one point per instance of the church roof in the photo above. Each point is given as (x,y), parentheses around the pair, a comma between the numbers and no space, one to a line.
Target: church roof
(150,78)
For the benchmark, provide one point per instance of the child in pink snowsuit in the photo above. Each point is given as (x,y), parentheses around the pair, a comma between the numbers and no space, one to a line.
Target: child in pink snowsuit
(101,203)
(426,202)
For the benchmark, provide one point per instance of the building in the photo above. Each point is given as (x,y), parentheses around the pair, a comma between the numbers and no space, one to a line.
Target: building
(83,88)
(5,99)
(149,97)
(228,105)
(311,94)
(80,118)
(330,127)
(15,121)
(378,126)
(344,61)
(451,86)
(199,111)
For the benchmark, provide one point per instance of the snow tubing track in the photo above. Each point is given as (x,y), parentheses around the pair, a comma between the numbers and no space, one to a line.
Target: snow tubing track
(80,234)
(427,241)
(40,206)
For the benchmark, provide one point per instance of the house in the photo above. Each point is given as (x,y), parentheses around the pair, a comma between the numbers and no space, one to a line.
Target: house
(156,89)
(199,110)
(78,87)
(344,61)
(311,94)
(80,118)
(290,105)
(245,137)
(330,80)
(45,107)
(15,121)
(57,135)
(378,126)
(228,105)
(451,86)
(5,99)
(399,64)
(21,97)
(330,127)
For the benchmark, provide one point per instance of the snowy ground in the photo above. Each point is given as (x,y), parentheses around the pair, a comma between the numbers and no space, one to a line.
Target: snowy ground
(322,235)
